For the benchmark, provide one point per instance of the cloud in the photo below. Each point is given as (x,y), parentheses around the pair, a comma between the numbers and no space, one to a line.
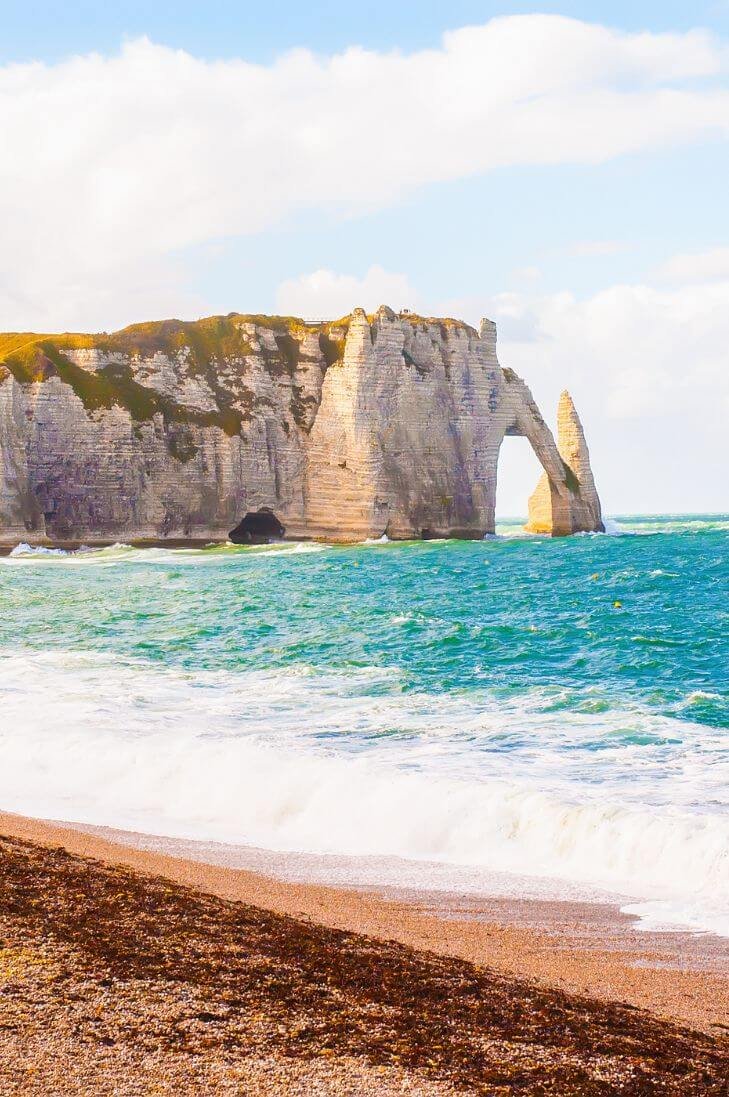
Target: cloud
(647,367)
(701,266)
(649,350)
(646,364)
(119,163)
(323,294)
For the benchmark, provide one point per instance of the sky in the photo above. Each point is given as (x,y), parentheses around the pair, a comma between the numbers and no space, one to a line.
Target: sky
(561,168)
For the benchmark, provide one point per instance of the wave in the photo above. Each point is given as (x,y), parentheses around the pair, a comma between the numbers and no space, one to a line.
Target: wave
(24,549)
(655,524)
(507,529)
(120,551)
(277,760)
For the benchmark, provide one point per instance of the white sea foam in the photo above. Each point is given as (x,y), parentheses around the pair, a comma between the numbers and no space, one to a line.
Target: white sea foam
(308,546)
(31,552)
(276,759)
(702,695)
(110,554)
(24,549)
(706,914)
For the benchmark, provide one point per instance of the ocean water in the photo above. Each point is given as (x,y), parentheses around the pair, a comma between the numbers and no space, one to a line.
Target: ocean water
(550,710)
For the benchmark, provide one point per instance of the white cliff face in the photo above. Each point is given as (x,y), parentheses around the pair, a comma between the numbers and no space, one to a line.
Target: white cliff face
(407,432)
(20,512)
(390,424)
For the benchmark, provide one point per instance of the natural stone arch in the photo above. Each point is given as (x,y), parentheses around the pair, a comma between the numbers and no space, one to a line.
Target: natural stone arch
(407,436)
(565,500)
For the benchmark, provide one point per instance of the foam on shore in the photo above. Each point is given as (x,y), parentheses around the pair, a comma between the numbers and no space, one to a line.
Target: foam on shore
(250,758)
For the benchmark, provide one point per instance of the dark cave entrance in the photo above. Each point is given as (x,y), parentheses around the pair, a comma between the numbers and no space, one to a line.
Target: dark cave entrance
(258,528)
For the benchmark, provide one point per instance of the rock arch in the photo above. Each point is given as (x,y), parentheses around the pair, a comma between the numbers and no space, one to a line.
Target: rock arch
(565,499)
(407,437)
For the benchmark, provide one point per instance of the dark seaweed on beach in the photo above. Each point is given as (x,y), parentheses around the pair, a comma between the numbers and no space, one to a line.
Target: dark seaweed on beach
(116,962)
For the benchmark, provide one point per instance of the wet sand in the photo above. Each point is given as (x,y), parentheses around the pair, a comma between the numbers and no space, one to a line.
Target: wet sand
(583,948)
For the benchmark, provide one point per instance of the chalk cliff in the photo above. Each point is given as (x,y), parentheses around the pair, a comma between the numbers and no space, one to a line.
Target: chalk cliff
(344,430)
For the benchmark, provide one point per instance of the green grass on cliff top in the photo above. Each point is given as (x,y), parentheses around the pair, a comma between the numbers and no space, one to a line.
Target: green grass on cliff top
(212,336)
(33,358)
(206,344)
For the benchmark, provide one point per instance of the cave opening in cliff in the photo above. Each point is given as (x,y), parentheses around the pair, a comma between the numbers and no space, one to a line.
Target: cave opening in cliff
(517,474)
(258,527)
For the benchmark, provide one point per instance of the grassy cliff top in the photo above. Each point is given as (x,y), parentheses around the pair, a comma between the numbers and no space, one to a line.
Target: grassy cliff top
(204,344)
(212,336)
(445,323)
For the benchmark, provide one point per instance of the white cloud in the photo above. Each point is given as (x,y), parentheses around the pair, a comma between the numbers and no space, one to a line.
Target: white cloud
(646,365)
(649,370)
(647,348)
(324,294)
(118,162)
(702,266)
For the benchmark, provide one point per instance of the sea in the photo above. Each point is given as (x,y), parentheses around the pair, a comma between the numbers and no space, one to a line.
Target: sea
(519,715)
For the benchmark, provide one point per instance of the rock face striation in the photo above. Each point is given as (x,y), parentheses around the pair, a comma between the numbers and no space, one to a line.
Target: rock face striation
(369,425)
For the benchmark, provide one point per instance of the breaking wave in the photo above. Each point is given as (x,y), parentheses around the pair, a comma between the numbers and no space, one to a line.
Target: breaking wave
(119,551)
(276,759)
(549,713)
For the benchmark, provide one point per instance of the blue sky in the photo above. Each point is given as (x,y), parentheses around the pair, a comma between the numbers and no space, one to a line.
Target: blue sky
(49,30)
(566,178)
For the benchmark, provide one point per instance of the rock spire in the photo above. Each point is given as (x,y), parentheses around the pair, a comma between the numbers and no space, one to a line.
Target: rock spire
(550,510)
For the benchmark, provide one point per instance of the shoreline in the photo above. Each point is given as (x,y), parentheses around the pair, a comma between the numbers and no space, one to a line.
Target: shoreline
(586,948)
(122,980)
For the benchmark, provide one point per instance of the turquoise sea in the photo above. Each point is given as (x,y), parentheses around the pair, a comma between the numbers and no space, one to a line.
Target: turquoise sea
(519,708)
